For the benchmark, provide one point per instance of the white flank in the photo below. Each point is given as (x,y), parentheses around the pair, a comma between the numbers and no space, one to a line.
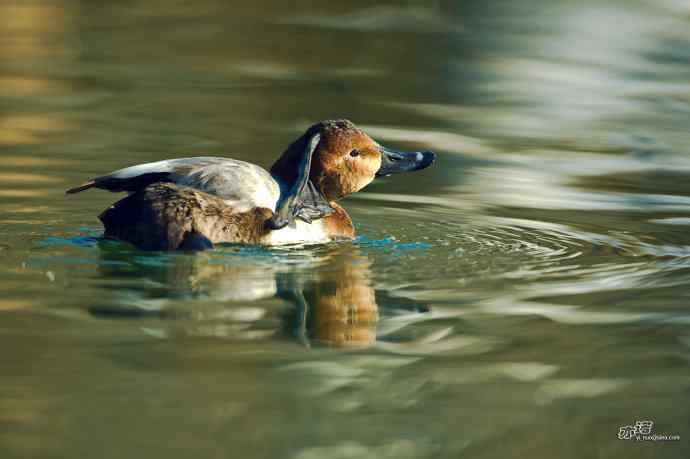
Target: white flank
(298,233)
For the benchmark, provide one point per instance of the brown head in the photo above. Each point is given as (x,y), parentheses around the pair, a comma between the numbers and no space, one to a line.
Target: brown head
(330,160)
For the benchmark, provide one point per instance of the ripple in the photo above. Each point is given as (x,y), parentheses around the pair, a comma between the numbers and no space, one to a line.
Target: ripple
(381,18)
(552,391)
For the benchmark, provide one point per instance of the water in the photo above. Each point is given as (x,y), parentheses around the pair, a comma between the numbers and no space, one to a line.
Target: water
(526,296)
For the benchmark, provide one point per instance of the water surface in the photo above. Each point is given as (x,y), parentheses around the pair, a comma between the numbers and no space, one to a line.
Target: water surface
(526,296)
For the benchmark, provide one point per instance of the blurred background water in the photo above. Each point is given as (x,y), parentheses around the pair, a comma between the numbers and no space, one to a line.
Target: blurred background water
(526,296)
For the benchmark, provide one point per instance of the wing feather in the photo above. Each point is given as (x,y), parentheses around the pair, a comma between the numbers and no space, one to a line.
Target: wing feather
(140,176)
(244,184)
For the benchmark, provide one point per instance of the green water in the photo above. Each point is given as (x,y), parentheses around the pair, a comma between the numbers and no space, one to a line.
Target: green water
(526,296)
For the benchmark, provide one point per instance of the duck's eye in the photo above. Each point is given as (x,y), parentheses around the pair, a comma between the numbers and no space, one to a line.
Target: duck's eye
(354,153)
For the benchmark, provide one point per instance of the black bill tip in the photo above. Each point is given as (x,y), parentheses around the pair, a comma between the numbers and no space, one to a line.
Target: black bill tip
(393,162)
(427,159)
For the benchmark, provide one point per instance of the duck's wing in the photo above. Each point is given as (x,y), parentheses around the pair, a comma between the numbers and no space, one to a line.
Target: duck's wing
(300,198)
(313,205)
(137,177)
(241,184)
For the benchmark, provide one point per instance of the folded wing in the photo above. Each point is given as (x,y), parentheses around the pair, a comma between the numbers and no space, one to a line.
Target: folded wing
(242,184)
(137,177)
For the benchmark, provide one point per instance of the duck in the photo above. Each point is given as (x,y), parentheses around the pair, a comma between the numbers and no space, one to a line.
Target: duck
(196,203)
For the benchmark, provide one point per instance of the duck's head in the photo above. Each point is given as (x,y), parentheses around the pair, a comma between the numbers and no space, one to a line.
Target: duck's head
(330,160)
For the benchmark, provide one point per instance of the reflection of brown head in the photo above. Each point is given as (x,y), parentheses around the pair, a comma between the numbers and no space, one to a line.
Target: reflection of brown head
(343,306)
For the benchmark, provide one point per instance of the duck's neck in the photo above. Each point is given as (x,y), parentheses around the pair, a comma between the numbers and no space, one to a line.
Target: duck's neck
(338,224)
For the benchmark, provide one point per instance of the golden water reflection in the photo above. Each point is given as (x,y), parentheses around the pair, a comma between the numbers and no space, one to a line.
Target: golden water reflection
(36,39)
(334,305)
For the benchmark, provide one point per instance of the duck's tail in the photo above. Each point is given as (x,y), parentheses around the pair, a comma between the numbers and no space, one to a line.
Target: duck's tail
(82,187)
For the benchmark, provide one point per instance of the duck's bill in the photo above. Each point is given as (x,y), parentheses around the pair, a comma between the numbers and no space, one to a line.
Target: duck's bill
(393,162)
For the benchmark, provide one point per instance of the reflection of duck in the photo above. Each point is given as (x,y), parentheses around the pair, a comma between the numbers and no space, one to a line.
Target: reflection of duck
(337,305)
(334,301)
(193,203)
